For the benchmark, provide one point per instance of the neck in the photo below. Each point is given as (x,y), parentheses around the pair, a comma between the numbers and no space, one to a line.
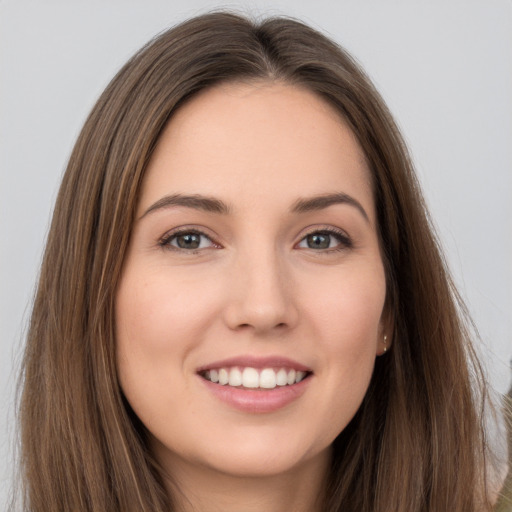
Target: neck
(198,489)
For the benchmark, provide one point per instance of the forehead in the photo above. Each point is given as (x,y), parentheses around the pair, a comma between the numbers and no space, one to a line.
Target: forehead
(243,139)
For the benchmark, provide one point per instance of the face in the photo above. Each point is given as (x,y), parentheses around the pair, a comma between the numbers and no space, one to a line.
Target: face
(250,308)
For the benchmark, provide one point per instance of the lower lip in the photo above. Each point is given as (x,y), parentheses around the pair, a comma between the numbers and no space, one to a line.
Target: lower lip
(258,400)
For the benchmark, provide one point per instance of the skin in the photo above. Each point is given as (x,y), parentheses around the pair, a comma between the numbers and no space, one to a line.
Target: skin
(255,286)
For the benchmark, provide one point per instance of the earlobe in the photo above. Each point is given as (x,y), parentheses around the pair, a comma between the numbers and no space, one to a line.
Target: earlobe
(384,345)
(386,336)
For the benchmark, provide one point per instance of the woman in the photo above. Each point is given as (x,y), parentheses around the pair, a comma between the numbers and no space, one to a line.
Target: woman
(242,303)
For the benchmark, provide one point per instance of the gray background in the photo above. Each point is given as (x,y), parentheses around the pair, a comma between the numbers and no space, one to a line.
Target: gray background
(445,70)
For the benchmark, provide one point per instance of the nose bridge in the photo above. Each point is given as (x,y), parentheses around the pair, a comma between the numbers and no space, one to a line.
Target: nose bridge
(261,296)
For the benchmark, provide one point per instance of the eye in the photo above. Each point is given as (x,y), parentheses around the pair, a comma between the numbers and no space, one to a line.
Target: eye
(326,239)
(189,240)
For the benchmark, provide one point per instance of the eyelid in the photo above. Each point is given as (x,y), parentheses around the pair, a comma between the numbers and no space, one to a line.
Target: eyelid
(345,241)
(164,240)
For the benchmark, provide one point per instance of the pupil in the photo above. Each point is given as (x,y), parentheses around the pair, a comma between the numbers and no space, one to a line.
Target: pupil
(189,241)
(318,241)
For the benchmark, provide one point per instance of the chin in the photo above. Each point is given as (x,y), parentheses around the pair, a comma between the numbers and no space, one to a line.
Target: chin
(253,456)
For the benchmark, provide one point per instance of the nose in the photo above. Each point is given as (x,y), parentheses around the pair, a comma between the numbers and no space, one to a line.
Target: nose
(261,295)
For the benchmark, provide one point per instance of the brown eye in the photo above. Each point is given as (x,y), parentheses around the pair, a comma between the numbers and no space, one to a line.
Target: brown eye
(187,241)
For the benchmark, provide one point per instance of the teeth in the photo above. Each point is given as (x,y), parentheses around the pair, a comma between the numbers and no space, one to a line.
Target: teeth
(282,377)
(223,376)
(251,378)
(235,377)
(299,376)
(268,378)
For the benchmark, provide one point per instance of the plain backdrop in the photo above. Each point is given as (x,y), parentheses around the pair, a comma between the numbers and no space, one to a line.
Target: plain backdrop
(444,68)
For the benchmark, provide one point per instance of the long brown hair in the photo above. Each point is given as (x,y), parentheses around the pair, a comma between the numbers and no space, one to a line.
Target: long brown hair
(416,443)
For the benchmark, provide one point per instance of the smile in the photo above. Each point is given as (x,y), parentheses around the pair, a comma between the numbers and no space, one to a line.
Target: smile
(253,378)
(255,384)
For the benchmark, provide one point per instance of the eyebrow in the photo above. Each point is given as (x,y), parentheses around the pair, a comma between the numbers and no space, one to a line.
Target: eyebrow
(326,200)
(214,205)
(195,201)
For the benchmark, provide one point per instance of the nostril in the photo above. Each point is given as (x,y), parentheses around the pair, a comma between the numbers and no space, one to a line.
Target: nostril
(257,326)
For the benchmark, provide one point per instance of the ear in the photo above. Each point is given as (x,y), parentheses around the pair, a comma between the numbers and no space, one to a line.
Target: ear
(386,331)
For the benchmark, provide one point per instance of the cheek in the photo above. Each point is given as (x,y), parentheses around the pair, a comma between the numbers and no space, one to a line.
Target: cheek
(159,314)
(346,318)
(159,321)
(347,307)
(156,327)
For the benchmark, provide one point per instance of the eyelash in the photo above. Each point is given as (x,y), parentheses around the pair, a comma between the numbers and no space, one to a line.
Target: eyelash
(343,239)
(165,241)
(345,242)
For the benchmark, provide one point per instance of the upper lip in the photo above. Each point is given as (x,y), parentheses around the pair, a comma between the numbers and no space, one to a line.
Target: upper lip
(257,362)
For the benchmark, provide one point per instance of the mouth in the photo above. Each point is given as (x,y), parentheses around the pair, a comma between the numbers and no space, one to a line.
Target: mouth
(251,378)
(256,385)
